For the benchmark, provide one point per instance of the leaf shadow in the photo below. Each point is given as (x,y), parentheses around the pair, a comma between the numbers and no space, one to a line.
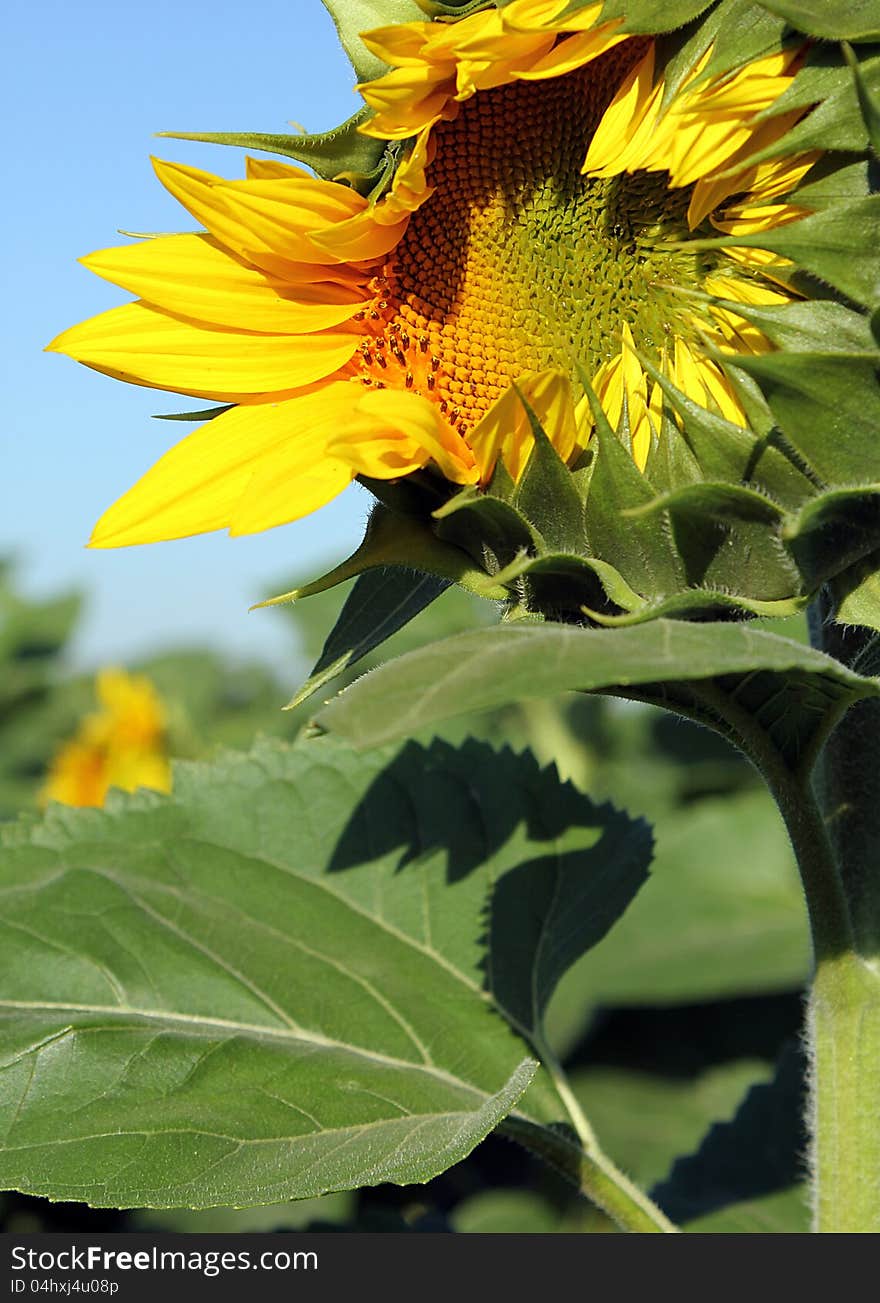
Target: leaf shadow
(559,869)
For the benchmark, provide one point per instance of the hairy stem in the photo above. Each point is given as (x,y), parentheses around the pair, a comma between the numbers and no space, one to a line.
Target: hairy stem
(843,1018)
(844,1010)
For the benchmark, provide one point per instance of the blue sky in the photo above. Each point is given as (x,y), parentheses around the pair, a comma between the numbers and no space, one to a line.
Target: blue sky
(86,87)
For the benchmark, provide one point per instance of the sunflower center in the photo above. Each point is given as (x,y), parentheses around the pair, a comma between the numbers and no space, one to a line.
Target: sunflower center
(518,262)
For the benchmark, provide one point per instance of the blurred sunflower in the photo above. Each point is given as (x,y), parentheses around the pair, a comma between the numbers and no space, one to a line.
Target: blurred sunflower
(548,177)
(122,744)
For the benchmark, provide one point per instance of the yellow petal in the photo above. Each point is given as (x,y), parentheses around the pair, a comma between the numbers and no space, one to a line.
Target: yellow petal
(392,432)
(401,45)
(299,475)
(570,53)
(200,484)
(202,194)
(506,432)
(194,276)
(144,346)
(266,169)
(625,123)
(360,238)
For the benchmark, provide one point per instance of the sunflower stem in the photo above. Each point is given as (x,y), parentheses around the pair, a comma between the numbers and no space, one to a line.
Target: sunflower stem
(842,1031)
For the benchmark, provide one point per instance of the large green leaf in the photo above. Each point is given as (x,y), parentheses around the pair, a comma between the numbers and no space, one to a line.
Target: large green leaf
(302,971)
(791,690)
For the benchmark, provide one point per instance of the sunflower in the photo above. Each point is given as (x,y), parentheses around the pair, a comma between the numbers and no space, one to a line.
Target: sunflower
(537,230)
(121,744)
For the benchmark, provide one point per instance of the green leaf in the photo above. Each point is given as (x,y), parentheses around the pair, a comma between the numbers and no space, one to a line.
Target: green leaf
(355,16)
(858,21)
(783,1213)
(505,1212)
(329,153)
(303,971)
(396,540)
(721,915)
(759,1152)
(380,603)
(869,99)
(791,689)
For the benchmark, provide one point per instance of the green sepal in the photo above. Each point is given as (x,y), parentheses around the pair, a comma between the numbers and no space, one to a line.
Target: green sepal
(746,32)
(394,540)
(678,53)
(868,97)
(811,326)
(670,460)
(651,16)
(381,602)
(727,452)
(833,531)
(716,501)
(701,604)
(836,123)
(855,599)
(502,484)
(488,529)
(858,20)
(828,407)
(344,151)
(569,576)
(834,178)
(640,550)
(204,414)
(352,17)
(412,495)
(547,494)
(728,538)
(838,245)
